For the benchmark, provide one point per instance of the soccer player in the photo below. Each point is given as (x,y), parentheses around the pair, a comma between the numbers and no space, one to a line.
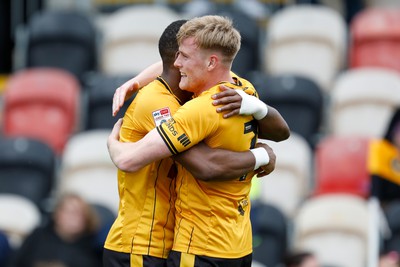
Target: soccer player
(142,234)
(212,218)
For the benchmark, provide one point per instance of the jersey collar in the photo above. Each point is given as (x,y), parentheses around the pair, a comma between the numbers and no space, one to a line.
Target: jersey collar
(163,82)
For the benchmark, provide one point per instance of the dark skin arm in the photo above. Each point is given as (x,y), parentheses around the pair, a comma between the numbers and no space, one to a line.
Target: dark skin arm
(221,164)
(216,164)
(271,127)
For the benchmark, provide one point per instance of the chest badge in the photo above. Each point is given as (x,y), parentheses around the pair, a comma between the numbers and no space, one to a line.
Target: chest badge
(161,115)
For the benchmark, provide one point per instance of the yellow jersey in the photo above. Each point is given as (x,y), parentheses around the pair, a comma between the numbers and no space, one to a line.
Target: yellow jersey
(145,220)
(212,218)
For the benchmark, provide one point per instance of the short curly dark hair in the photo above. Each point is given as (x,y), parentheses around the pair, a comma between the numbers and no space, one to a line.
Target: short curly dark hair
(168,45)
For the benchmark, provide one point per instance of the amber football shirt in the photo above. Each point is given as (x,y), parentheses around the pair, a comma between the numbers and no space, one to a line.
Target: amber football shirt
(145,220)
(212,218)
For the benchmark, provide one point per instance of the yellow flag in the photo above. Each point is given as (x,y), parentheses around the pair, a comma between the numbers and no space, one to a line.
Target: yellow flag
(384,160)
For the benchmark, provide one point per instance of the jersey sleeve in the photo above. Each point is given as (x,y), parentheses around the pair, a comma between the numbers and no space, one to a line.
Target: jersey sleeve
(246,85)
(191,124)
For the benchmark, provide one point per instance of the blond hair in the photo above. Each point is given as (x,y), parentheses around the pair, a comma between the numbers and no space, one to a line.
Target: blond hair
(214,33)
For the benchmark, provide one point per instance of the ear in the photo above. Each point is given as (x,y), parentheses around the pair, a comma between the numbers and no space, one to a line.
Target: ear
(212,63)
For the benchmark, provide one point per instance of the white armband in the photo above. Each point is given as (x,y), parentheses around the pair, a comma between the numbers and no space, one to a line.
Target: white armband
(251,105)
(261,155)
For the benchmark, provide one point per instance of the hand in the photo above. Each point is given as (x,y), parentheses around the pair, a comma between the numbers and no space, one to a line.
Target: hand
(123,93)
(270,167)
(114,135)
(230,100)
(113,140)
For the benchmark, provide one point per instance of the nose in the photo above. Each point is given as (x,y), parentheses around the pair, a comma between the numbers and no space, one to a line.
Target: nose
(177,63)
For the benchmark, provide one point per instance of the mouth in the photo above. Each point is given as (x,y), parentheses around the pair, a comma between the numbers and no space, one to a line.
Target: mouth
(183,75)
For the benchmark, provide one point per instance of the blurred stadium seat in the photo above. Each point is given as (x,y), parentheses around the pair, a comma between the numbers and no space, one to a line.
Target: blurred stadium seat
(363,101)
(270,233)
(292,175)
(392,213)
(106,219)
(341,166)
(375,38)
(42,103)
(334,228)
(98,95)
(87,169)
(18,227)
(306,40)
(129,44)
(298,99)
(64,39)
(27,168)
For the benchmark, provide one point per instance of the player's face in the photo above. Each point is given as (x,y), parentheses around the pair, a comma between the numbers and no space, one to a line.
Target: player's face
(192,65)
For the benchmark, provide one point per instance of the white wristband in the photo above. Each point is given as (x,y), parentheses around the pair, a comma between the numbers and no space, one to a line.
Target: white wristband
(261,155)
(251,105)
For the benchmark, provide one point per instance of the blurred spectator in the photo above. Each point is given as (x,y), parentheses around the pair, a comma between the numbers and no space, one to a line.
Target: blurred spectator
(5,250)
(389,259)
(66,241)
(301,259)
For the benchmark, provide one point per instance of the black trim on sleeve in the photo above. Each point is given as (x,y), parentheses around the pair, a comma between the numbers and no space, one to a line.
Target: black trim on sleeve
(166,140)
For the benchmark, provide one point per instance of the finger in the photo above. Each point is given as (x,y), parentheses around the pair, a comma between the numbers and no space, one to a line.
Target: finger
(117,126)
(224,88)
(228,107)
(226,93)
(231,114)
(115,103)
(229,99)
(121,96)
(261,174)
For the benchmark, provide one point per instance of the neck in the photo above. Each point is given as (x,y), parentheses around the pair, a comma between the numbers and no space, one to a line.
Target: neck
(214,78)
(172,77)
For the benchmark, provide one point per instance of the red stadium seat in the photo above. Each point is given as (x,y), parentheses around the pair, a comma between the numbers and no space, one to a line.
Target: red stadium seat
(341,166)
(42,103)
(375,34)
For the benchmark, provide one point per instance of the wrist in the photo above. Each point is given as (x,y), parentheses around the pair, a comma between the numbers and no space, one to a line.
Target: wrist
(261,112)
(251,105)
(261,156)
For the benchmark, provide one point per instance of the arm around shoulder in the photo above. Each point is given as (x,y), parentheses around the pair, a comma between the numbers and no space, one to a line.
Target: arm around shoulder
(273,126)
(212,164)
(131,157)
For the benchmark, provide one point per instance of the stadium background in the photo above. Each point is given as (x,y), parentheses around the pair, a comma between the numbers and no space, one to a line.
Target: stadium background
(330,67)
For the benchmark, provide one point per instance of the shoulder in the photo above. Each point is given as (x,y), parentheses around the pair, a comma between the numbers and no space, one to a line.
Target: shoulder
(245,85)
(155,96)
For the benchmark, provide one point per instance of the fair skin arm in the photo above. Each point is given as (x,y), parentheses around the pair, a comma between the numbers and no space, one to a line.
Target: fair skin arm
(126,90)
(218,160)
(272,127)
(215,164)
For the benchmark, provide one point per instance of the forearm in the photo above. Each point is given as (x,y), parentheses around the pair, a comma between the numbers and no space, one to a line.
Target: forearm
(273,126)
(120,153)
(208,164)
(149,74)
(131,157)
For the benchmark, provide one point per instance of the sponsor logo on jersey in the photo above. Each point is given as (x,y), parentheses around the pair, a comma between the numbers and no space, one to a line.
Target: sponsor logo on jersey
(161,115)
(170,126)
